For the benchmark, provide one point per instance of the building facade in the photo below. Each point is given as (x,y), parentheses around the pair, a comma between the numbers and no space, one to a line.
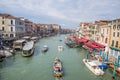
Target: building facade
(115,39)
(11,26)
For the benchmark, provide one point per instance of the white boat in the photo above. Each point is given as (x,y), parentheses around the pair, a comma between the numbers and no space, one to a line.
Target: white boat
(58,69)
(18,44)
(60,48)
(5,53)
(35,39)
(93,67)
(45,48)
(28,49)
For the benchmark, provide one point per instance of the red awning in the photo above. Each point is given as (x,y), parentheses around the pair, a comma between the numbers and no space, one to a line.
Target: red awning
(77,39)
(91,45)
(98,44)
(84,40)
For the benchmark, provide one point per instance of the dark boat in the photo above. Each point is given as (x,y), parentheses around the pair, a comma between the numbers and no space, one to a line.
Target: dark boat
(58,69)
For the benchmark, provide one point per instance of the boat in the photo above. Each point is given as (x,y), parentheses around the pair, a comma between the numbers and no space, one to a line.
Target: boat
(92,66)
(117,68)
(60,48)
(35,39)
(28,49)
(58,69)
(60,40)
(18,44)
(45,48)
(5,53)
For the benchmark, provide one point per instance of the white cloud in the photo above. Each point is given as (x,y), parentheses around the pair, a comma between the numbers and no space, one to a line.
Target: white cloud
(66,10)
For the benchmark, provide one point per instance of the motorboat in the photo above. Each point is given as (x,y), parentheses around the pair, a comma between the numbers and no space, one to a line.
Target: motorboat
(18,44)
(60,48)
(35,39)
(28,49)
(58,69)
(92,66)
(45,48)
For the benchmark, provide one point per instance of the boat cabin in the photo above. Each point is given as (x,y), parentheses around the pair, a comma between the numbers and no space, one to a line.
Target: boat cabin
(19,44)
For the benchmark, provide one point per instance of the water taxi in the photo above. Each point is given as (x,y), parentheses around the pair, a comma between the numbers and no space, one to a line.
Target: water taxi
(18,44)
(92,66)
(28,49)
(60,48)
(45,48)
(35,39)
(58,69)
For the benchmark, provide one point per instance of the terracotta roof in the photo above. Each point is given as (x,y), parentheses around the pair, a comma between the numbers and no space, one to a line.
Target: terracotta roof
(8,16)
(44,25)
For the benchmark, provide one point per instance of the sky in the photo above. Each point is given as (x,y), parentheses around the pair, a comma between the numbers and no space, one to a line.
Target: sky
(67,13)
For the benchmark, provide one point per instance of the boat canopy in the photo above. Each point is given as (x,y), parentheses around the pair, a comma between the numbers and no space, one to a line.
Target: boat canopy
(34,37)
(45,46)
(28,45)
(20,41)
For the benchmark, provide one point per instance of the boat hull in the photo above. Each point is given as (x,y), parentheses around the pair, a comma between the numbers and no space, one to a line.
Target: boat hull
(29,53)
(58,70)
(96,71)
(28,49)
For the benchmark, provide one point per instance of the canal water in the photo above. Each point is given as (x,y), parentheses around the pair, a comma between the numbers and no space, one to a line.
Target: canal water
(40,65)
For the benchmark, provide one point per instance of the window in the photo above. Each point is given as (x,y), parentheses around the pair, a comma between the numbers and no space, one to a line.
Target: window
(114,27)
(103,31)
(112,43)
(118,27)
(106,40)
(11,22)
(113,34)
(3,17)
(11,35)
(6,35)
(116,44)
(107,31)
(2,22)
(114,21)
(11,29)
(119,20)
(3,29)
(118,34)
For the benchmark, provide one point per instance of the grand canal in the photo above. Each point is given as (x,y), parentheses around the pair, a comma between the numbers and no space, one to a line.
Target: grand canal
(39,66)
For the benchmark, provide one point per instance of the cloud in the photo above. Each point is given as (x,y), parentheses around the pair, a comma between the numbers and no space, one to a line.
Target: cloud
(69,11)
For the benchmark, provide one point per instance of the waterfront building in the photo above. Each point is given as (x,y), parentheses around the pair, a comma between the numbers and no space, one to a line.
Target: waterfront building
(102,32)
(115,39)
(28,27)
(86,30)
(45,29)
(11,26)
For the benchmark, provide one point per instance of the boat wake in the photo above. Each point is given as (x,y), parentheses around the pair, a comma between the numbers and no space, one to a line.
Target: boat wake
(58,78)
